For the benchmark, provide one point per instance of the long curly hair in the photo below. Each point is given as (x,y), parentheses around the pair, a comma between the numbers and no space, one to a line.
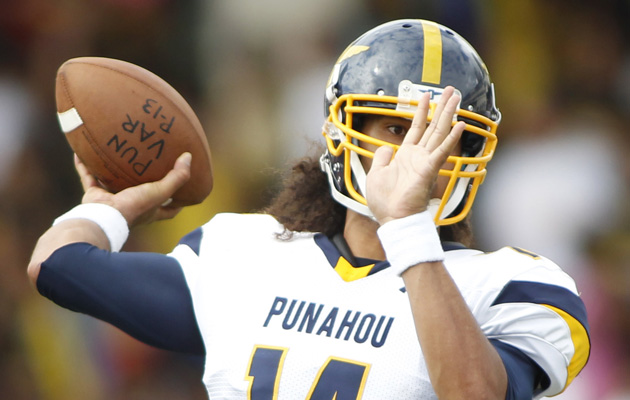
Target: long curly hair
(304,204)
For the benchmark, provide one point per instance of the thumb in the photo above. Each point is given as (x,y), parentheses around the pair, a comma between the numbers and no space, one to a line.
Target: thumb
(160,192)
(176,177)
(139,204)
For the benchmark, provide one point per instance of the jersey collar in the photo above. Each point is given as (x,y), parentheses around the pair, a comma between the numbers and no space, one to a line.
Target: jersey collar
(351,268)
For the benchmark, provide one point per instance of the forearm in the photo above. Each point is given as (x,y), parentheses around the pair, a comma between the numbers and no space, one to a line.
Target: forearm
(461,361)
(66,232)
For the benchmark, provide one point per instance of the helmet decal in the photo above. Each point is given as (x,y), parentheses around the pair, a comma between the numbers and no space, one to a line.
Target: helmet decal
(347,53)
(408,91)
(351,51)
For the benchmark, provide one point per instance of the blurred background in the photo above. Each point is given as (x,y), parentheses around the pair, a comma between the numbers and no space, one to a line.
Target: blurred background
(255,73)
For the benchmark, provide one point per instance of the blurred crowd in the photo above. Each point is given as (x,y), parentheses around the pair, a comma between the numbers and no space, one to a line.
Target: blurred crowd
(255,73)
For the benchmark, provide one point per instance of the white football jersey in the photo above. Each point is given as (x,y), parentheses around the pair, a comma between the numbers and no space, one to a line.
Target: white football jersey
(291,319)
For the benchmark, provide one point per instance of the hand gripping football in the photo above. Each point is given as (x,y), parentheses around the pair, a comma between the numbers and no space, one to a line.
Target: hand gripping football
(128,126)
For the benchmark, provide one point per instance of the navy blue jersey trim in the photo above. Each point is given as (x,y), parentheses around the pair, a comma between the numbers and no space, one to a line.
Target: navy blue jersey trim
(543,293)
(329,249)
(193,240)
(379,266)
(333,254)
(450,246)
(525,377)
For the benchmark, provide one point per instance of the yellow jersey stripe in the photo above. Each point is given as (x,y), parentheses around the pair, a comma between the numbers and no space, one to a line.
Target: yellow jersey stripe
(581,343)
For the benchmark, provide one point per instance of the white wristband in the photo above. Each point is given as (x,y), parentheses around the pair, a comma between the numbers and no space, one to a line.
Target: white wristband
(109,219)
(411,240)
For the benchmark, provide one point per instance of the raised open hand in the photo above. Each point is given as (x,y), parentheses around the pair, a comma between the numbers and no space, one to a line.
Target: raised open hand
(140,204)
(402,185)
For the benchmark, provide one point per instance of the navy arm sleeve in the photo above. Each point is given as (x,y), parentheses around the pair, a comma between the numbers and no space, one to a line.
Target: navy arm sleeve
(524,375)
(143,294)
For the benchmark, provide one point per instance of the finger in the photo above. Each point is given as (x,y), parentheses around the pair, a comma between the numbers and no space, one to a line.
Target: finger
(444,98)
(444,123)
(382,157)
(419,123)
(87,179)
(445,149)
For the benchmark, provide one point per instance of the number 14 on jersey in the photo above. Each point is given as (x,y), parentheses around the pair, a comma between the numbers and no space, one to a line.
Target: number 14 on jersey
(337,379)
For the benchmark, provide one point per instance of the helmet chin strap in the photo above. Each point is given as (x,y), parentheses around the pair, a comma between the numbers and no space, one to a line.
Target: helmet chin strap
(358,171)
(340,197)
(360,177)
(456,197)
(434,205)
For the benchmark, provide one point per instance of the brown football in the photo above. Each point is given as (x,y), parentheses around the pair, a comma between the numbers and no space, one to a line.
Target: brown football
(128,126)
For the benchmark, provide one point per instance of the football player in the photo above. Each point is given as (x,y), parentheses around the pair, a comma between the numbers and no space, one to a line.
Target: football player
(357,282)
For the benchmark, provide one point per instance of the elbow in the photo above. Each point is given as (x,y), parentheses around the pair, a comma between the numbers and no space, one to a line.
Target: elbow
(493,385)
(485,392)
(472,392)
(473,386)
(33,271)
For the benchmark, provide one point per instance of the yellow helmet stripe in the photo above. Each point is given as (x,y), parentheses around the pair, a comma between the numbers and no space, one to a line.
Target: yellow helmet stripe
(432,61)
